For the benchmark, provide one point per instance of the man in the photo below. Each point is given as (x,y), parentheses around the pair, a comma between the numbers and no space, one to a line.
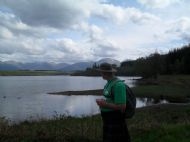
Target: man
(113,106)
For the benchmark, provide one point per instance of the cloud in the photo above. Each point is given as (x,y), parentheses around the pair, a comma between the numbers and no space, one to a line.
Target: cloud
(180,29)
(158,3)
(65,14)
(44,50)
(5,33)
(19,45)
(99,45)
(57,13)
(120,15)
(103,49)
(12,24)
(70,31)
(30,25)
(26,42)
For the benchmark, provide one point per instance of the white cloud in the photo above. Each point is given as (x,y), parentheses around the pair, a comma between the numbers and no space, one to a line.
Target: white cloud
(97,43)
(30,31)
(174,30)
(5,33)
(44,50)
(16,27)
(122,15)
(180,28)
(158,3)
(70,31)
(92,31)
(19,45)
(57,13)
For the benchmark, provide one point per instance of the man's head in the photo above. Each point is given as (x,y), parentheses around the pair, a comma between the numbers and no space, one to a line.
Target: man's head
(107,71)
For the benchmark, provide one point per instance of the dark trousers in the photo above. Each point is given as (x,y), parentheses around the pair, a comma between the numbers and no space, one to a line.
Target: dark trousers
(114,127)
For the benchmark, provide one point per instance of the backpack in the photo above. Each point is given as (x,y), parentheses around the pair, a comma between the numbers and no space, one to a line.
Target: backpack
(130,100)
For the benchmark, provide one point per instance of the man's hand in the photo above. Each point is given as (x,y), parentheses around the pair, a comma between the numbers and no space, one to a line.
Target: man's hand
(101,102)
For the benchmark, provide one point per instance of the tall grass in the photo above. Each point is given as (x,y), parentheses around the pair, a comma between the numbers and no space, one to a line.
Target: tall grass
(59,129)
(159,123)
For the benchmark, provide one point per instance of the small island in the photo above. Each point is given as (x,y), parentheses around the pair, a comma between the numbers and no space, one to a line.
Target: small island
(97,92)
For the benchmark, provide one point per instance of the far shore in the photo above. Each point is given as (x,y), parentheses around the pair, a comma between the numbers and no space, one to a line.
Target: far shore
(173,88)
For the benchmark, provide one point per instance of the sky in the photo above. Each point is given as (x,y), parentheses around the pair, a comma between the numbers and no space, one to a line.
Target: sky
(73,31)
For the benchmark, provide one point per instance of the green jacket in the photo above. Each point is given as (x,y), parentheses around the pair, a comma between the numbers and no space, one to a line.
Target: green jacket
(118,90)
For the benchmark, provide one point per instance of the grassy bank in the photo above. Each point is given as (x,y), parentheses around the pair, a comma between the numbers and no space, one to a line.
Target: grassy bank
(31,73)
(173,88)
(163,123)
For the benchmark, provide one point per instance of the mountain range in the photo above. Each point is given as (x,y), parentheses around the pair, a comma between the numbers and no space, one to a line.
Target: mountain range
(11,65)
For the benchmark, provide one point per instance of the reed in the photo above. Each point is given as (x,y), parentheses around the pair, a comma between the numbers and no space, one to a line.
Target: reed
(158,123)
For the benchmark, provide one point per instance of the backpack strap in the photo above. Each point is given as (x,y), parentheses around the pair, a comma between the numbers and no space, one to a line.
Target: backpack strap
(112,88)
(109,86)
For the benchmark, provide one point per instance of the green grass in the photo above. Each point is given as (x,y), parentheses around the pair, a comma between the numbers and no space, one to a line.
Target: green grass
(172,88)
(162,123)
(59,129)
(31,73)
(167,133)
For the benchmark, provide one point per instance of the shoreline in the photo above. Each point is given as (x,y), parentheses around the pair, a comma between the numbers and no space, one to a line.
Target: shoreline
(96,92)
(175,98)
(154,107)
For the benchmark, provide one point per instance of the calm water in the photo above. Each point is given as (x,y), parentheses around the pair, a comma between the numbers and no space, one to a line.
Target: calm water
(25,97)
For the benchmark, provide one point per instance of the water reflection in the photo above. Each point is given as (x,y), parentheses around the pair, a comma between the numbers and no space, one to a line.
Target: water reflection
(75,106)
(141,102)
(80,105)
(25,98)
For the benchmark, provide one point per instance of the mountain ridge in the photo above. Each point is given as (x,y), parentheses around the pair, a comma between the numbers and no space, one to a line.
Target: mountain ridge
(79,66)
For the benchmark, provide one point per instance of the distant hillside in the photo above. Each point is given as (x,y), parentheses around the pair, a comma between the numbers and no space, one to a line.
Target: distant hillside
(80,66)
(108,60)
(77,66)
(91,71)
(7,66)
(11,65)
